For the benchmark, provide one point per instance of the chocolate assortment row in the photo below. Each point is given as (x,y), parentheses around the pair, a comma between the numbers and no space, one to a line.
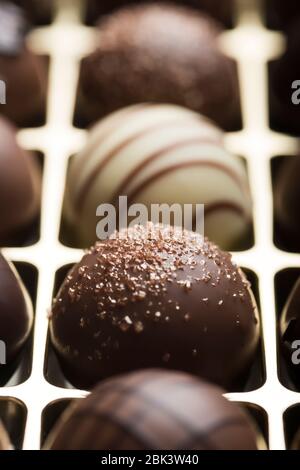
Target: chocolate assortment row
(154,324)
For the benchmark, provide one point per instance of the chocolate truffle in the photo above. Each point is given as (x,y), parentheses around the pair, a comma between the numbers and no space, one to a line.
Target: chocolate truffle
(20,182)
(285,85)
(22,72)
(290,330)
(155,296)
(222,11)
(154,410)
(16,315)
(162,54)
(156,154)
(286,204)
(4,440)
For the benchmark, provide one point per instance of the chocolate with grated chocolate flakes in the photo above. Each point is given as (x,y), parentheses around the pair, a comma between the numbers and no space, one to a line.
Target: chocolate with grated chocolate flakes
(154,296)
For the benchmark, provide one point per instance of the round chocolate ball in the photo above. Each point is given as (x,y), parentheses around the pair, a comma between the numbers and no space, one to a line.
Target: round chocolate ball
(286,203)
(158,154)
(4,440)
(16,314)
(154,410)
(285,85)
(290,331)
(222,11)
(22,72)
(162,54)
(20,184)
(155,296)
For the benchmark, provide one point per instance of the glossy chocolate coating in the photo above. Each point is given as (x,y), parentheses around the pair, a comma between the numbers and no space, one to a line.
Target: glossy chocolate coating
(4,440)
(23,72)
(20,184)
(290,330)
(16,315)
(222,11)
(286,203)
(159,54)
(154,410)
(154,302)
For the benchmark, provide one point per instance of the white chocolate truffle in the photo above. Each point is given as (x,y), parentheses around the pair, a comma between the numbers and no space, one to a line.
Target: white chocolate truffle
(158,154)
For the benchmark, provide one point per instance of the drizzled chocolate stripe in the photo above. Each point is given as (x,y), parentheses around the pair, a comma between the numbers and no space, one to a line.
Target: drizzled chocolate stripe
(109,131)
(155,156)
(231,206)
(188,164)
(83,191)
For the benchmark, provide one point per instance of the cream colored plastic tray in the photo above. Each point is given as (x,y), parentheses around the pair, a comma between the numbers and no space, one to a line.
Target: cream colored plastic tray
(66,41)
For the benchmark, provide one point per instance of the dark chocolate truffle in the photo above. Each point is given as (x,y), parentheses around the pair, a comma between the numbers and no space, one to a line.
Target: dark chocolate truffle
(154,410)
(222,11)
(154,296)
(16,315)
(20,184)
(286,204)
(4,440)
(161,54)
(290,330)
(285,85)
(23,72)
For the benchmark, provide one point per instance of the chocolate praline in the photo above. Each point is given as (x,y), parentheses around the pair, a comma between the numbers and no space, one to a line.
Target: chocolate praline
(155,297)
(159,54)
(23,73)
(20,185)
(222,11)
(155,410)
(16,314)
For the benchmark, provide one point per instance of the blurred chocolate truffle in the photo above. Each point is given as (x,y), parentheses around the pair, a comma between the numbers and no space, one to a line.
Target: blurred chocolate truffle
(4,440)
(175,411)
(286,204)
(159,154)
(222,11)
(290,331)
(285,85)
(23,72)
(162,54)
(20,185)
(16,315)
(155,296)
